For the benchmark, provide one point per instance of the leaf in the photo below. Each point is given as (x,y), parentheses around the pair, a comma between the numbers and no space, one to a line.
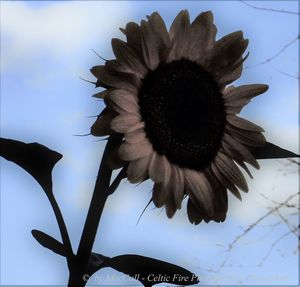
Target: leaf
(36,159)
(270,150)
(147,270)
(48,242)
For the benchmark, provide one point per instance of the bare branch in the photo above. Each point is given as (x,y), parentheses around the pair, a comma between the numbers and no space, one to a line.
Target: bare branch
(294,161)
(292,228)
(250,227)
(272,226)
(268,60)
(274,244)
(288,74)
(269,9)
(278,203)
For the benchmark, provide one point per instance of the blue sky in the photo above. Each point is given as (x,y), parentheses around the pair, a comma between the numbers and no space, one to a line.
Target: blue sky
(45,48)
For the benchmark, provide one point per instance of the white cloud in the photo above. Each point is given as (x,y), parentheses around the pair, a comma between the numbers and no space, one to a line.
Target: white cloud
(60,27)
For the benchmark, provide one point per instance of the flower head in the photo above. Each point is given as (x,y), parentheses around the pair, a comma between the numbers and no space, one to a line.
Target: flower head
(166,93)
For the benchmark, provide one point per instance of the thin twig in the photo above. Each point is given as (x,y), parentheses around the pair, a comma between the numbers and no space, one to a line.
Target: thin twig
(288,74)
(268,60)
(294,161)
(269,9)
(292,228)
(232,244)
(276,202)
(247,230)
(272,226)
(274,244)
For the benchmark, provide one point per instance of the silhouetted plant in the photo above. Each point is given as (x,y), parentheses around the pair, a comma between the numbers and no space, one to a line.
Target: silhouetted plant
(170,117)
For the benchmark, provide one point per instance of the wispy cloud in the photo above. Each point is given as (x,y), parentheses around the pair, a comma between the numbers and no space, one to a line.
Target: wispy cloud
(61,27)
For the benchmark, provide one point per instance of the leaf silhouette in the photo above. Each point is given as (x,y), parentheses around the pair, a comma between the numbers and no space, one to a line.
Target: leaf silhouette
(270,150)
(36,159)
(147,270)
(49,242)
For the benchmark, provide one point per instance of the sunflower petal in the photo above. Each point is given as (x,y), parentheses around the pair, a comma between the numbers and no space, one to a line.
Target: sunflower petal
(130,152)
(247,138)
(158,26)
(171,207)
(236,98)
(159,194)
(179,34)
(133,34)
(220,199)
(223,180)
(231,76)
(123,101)
(179,24)
(128,58)
(138,169)
(170,191)
(238,151)
(226,52)
(243,124)
(116,66)
(231,171)
(125,123)
(109,79)
(166,170)
(177,185)
(195,215)
(220,205)
(135,136)
(150,46)
(159,168)
(243,165)
(201,35)
(232,72)
(101,126)
(199,189)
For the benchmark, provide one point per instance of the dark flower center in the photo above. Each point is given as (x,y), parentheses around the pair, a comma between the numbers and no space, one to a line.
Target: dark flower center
(183,111)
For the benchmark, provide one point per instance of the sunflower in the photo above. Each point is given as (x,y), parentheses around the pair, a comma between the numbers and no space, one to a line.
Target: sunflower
(167,94)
